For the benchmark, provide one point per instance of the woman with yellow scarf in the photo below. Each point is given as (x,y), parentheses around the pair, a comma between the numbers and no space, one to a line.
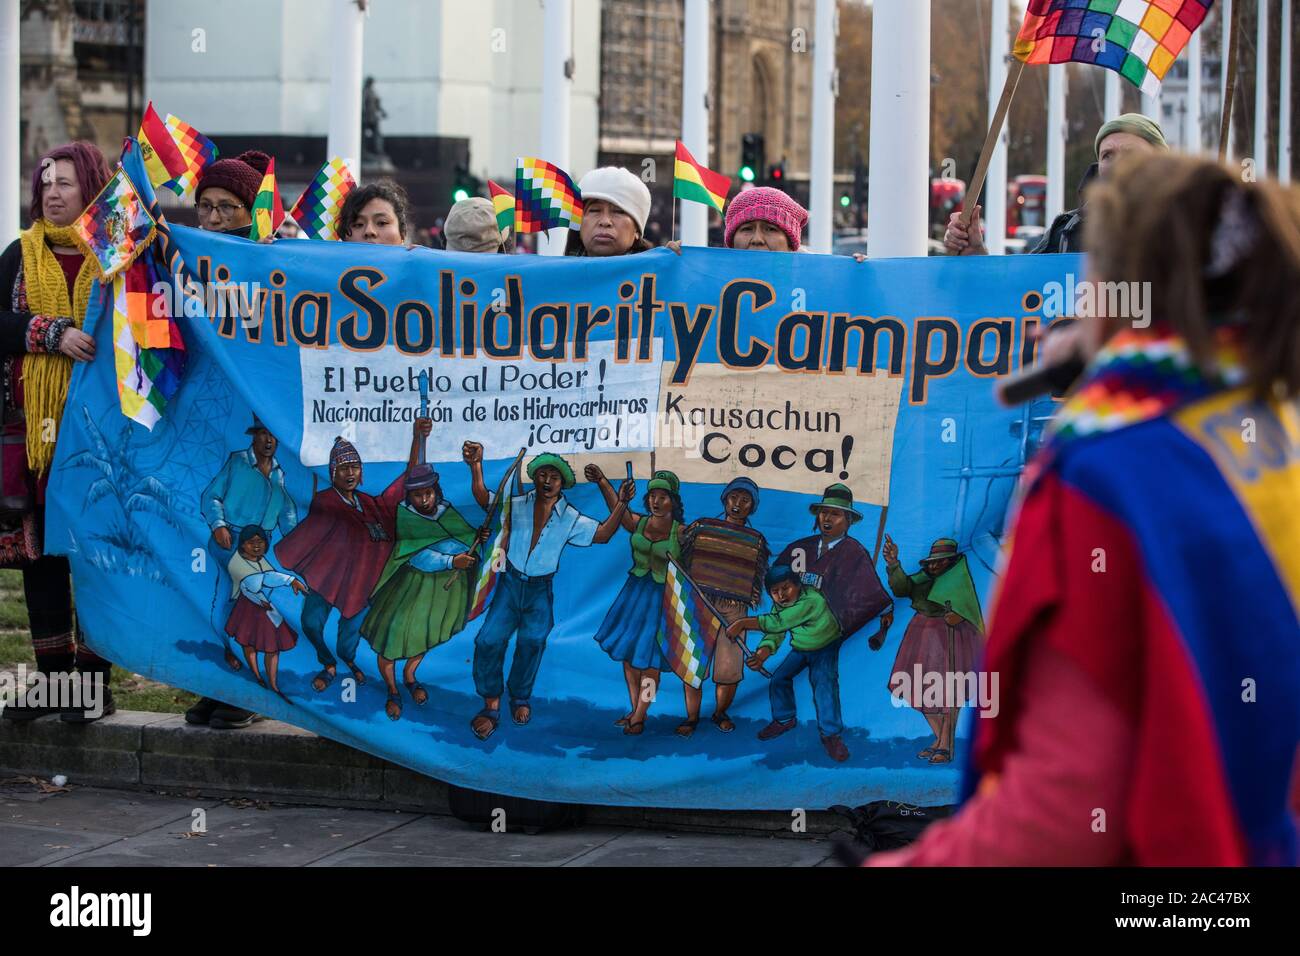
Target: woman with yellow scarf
(45,280)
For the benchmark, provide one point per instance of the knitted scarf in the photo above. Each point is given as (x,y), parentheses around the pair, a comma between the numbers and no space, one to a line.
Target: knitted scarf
(1140,375)
(46,375)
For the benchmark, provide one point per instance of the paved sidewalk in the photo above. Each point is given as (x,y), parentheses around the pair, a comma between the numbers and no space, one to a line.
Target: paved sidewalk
(87,826)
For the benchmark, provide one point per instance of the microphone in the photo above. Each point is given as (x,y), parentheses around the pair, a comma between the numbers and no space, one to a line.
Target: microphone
(1040,380)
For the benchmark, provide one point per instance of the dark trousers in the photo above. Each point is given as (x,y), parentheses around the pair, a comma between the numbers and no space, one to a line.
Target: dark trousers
(47,587)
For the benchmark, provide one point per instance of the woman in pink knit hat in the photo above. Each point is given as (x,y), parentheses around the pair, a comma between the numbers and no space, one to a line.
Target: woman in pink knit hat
(763,219)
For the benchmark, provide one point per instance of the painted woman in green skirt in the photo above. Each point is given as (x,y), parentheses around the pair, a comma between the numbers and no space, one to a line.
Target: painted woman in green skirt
(414,607)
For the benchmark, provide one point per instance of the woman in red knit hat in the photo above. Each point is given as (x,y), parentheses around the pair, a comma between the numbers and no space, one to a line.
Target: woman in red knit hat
(227,190)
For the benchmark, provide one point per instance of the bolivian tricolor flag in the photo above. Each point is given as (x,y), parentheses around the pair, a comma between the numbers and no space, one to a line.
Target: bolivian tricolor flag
(162,157)
(503,204)
(268,212)
(695,183)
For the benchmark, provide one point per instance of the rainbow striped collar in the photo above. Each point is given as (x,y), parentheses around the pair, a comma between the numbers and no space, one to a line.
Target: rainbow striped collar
(1141,375)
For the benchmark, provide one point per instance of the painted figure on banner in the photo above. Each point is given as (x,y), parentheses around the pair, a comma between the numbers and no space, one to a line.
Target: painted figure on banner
(255,623)
(542,525)
(727,558)
(629,632)
(840,567)
(943,641)
(422,596)
(803,612)
(341,549)
(249,491)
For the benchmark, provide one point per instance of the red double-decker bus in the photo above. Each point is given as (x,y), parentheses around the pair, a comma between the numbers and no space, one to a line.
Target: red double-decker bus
(1026,203)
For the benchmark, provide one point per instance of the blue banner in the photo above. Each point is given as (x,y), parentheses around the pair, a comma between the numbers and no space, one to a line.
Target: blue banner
(390,504)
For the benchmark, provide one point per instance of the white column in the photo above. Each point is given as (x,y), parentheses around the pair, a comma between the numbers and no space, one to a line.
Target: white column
(899,204)
(821,199)
(347,32)
(1284,158)
(1057,86)
(1225,25)
(1192,138)
(557,93)
(10,188)
(1114,97)
(695,112)
(1261,93)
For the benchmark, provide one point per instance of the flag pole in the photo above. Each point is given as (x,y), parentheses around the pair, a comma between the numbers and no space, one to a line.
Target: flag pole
(991,140)
(1230,86)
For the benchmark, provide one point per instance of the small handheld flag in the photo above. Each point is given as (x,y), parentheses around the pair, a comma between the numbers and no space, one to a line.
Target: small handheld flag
(162,157)
(545,197)
(503,204)
(267,210)
(116,226)
(318,209)
(695,183)
(1139,39)
(197,150)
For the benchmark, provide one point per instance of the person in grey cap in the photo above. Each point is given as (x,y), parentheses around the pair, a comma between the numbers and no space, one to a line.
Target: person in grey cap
(471,226)
(1123,135)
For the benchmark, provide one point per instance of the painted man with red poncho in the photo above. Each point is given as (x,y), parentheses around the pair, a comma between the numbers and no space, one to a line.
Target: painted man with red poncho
(340,550)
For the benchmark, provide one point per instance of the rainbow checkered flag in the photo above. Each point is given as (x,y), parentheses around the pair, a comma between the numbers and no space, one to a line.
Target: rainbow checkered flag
(318,209)
(690,628)
(545,197)
(1139,39)
(494,557)
(149,354)
(197,150)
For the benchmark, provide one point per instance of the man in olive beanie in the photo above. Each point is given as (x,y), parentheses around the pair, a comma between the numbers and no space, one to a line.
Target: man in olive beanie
(1125,134)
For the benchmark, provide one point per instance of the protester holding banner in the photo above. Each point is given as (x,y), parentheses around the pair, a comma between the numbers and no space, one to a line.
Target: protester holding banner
(377,212)
(224,197)
(1154,577)
(226,192)
(764,219)
(1130,133)
(615,207)
(45,282)
(630,631)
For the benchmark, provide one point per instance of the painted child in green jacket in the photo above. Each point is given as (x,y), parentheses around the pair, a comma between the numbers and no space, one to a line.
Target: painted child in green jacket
(815,640)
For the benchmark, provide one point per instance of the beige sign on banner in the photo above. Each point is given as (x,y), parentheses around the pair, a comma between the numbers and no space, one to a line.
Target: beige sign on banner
(788,432)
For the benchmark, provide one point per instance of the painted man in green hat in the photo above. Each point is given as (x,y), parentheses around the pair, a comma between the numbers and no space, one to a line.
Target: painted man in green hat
(542,525)
(840,567)
(944,637)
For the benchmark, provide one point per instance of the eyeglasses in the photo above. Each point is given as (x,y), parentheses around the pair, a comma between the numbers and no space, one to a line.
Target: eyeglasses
(226,209)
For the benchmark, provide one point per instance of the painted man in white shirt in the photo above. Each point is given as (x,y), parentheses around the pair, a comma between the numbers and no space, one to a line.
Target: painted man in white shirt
(542,525)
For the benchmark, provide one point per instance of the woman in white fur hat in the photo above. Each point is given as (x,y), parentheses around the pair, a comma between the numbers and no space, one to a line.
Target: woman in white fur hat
(615,207)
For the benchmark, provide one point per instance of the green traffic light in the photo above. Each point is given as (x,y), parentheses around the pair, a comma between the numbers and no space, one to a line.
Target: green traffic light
(460,195)
(844,201)
(747,173)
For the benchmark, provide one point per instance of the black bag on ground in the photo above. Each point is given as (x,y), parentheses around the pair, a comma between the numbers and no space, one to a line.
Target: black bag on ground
(515,813)
(886,824)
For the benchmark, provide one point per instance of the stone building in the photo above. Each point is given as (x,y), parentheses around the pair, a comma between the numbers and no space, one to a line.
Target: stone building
(760,82)
(80,74)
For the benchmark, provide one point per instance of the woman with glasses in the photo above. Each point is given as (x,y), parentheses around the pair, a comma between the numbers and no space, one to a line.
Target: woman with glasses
(226,191)
(224,200)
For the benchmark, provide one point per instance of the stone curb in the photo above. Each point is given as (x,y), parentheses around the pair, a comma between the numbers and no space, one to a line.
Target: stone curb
(135,750)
